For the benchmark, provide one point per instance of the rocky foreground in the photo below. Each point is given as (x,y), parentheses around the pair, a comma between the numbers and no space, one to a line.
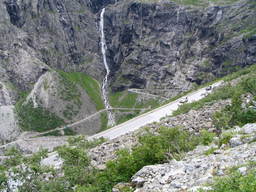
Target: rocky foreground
(198,168)
(193,121)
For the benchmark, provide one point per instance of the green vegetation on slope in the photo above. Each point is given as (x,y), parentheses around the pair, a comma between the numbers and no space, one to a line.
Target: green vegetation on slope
(92,88)
(123,99)
(236,113)
(104,121)
(90,85)
(36,119)
(235,181)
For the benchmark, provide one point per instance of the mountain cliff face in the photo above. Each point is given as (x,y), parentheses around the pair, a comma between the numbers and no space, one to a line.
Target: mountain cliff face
(162,47)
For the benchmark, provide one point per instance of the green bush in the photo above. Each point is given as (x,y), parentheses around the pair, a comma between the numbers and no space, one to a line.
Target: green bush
(221,120)
(248,116)
(82,143)
(75,165)
(206,137)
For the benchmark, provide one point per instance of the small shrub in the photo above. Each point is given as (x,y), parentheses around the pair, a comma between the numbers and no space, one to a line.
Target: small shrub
(221,120)
(206,137)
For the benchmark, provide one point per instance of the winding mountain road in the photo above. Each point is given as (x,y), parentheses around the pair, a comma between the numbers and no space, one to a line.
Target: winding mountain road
(116,131)
(138,91)
(152,116)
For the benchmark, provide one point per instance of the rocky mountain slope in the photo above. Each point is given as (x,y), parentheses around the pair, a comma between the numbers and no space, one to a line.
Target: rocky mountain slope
(187,151)
(162,47)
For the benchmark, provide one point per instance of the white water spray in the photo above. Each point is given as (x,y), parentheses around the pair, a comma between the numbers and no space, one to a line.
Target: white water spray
(111,120)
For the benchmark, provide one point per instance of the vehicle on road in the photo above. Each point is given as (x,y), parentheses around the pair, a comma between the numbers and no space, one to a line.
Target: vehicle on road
(208,88)
(184,100)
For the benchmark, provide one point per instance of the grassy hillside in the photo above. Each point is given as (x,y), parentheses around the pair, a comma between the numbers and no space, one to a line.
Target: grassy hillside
(92,88)
(90,85)
(36,119)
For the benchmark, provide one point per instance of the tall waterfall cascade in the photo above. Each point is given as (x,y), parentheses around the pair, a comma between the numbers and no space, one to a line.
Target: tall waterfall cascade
(111,119)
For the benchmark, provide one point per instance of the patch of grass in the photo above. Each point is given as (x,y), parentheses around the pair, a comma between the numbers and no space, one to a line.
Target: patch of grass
(210,151)
(129,100)
(36,119)
(67,131)
(123,99)
(92,88)
(250,69)
(207,137)
(70,111)
(104,121)
(126,117)
(82,143)
(250,33)
(68,90)
(3,178)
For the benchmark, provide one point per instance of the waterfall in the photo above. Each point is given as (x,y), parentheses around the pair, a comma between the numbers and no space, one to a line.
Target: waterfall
(111,120)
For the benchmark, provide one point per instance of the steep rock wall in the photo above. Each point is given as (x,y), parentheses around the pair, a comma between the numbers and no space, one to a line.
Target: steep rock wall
(167,48)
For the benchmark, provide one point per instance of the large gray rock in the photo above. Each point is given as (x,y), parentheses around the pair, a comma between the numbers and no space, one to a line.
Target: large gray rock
(249,128)
(9,129)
